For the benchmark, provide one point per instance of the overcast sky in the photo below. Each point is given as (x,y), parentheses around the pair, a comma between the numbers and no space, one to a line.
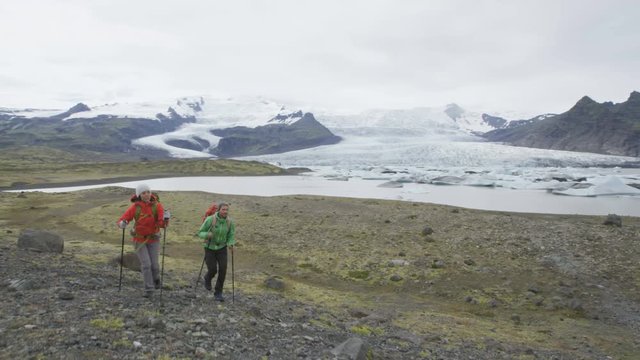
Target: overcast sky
(528,56)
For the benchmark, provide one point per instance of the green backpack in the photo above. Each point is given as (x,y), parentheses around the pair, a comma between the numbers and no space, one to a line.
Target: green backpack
(154,206)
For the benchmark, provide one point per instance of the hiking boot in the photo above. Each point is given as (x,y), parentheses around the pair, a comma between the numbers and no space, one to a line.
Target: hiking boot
(157,283)
(207,285)
(148,294)
(218,297)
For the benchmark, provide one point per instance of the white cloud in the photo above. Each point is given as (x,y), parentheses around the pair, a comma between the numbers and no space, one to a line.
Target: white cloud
(532,57)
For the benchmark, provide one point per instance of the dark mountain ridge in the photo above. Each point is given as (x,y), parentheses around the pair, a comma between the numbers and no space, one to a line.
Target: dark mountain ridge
(114,134)
(103,133)
(589,126)
(274,138)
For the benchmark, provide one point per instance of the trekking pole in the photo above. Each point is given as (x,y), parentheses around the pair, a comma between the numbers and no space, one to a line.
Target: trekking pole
(211,227)
(195,288)
(164,242)
(166,218)
(121,262)
(233,282)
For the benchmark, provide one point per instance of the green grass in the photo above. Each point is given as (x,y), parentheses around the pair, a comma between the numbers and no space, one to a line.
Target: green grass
(38,165)
(111,323)
(334,253)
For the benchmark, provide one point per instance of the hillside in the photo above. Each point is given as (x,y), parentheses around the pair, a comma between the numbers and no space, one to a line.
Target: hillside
(604,128)
(305,132)
(410,280)
(188,128)
(107,134)
(28,167)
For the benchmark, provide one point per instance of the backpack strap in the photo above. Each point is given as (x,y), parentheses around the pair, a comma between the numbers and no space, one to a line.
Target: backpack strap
(215,219)
(154,210)
(213,223)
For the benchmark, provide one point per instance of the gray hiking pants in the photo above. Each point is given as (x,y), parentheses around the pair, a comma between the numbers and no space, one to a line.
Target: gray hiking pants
(148,256)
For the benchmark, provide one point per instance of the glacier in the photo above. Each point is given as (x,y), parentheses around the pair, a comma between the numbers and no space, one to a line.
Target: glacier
(422,145)
(418,145)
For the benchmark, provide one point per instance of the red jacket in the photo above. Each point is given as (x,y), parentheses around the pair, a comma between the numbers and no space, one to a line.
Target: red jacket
(146,228)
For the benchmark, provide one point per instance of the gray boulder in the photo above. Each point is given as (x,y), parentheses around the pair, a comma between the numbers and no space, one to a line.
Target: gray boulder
(613,220)
(354,349)
(275,283)
(40,240)
(130,261)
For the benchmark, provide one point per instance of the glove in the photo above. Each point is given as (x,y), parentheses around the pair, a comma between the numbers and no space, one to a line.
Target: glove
(167,215)
(123,224)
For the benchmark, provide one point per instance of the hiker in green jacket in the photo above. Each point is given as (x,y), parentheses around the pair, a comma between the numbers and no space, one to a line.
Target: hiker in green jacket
(218,233)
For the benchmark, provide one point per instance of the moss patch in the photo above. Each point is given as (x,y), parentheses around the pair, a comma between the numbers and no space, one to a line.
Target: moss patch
(111,323)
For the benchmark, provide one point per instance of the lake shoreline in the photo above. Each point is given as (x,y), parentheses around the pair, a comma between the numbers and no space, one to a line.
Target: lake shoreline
(74,183)
(120,179)
(471,197)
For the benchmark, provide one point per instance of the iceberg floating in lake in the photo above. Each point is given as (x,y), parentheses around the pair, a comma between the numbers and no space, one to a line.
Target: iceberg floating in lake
(609,185)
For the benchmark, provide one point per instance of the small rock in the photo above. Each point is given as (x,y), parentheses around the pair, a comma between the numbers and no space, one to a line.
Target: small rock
(21,284)
(613,220)
(65,295)
(395,277)
(576,305)
(30,327)
(469,262)
(157,324)
(437,264)
(427,230)
(137,344)
(538,301)
(275,283)
(534,289)
(357,313)
(398,262)
(353,348)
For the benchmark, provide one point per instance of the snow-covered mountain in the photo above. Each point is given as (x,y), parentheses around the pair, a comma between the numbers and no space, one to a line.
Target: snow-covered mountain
(449,122)
(422,144)
(185,127)
(200,116)
(214,113)
(445,121)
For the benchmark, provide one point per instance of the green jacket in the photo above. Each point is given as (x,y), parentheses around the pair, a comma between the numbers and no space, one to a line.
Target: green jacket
(223,232)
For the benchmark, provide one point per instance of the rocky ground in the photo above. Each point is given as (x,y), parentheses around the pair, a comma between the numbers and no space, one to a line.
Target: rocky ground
(394,280)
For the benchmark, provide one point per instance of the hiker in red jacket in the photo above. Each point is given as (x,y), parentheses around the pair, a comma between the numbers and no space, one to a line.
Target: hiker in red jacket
(148,214)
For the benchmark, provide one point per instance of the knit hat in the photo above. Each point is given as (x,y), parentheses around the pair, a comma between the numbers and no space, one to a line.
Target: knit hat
(142,188)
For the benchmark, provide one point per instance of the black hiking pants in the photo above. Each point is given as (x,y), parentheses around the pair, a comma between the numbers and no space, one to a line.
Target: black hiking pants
(216,263)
